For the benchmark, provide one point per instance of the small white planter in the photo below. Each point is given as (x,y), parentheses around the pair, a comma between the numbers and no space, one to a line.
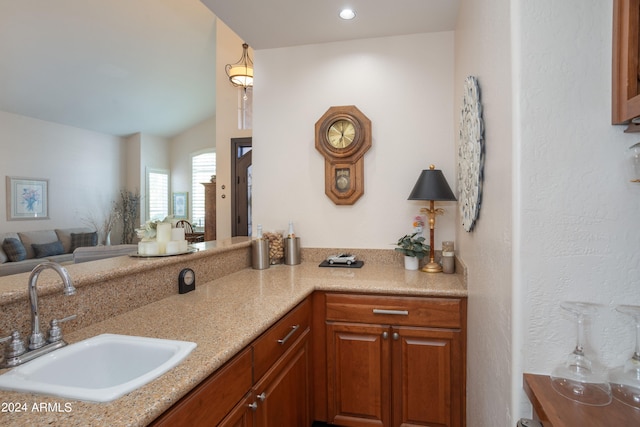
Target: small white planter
(411,262)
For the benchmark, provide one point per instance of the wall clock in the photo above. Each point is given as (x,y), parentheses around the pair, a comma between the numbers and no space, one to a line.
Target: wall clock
(343,135)
(470,154)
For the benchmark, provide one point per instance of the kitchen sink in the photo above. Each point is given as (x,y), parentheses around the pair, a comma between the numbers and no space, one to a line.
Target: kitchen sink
(98,369)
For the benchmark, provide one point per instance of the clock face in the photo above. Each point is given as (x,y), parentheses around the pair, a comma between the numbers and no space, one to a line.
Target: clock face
(189,277)
(341,133)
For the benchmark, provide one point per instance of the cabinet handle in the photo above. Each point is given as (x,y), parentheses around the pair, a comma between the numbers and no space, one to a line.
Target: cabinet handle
(253,406)
(291,332)
(385,335)
(393,312)
(261,397)
(396,336)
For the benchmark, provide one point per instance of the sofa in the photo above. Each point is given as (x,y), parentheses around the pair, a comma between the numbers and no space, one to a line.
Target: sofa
(22,251)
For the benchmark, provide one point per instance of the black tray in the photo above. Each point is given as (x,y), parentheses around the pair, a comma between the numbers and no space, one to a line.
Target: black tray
(356,264)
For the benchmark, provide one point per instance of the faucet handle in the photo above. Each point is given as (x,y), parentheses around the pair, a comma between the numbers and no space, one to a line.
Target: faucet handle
(55,333)
(16,346)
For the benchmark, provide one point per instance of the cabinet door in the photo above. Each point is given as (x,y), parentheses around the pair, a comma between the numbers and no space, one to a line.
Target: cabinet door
(358,379)
(283,395)
(241,415)
(211,400)
(424,369)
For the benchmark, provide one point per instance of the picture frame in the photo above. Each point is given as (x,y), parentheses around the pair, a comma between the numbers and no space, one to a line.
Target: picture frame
(180,206)
(27,198)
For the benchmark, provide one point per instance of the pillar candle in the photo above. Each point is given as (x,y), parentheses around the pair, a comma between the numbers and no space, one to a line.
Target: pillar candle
(177,233)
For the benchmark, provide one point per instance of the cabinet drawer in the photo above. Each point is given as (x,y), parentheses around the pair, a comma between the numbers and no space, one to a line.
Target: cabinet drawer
(395,310)
(277,339)
(210,401)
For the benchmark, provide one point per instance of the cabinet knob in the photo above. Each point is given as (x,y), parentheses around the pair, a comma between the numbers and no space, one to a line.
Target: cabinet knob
(262,396)
(253,406)
(385,335)
(396,336)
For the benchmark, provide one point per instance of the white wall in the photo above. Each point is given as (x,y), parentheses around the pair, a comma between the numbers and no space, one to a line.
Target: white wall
(228,51)
(196,139)
(403,84)
(482,49)
(83,169)
(578,217)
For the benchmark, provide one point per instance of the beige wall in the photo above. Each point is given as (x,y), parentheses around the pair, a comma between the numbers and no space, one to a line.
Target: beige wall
(577,218)
(404,85)
(228,51)
(195,140)
(483,50)
(83,169)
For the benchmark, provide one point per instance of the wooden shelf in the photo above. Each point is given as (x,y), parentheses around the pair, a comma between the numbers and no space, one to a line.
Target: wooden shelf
(555,410)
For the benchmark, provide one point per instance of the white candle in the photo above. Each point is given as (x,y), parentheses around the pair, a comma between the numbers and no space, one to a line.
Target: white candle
(184,245)
(173,247)
(177,233)
(152,248)
(163,232)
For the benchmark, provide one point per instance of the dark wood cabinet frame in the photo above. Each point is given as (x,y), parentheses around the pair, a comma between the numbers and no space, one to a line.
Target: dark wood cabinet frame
(626,73)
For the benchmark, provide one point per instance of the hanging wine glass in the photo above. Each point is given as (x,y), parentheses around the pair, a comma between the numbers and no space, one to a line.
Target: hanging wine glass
(576,379)
(625,380)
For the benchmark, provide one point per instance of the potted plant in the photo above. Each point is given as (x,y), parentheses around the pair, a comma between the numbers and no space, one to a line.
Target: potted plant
(413,248)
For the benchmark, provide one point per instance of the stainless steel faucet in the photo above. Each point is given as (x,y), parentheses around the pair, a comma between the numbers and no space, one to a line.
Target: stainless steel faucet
(37,339)
(16,353)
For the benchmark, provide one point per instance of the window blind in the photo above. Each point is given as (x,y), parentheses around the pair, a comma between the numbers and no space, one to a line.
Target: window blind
(202,167)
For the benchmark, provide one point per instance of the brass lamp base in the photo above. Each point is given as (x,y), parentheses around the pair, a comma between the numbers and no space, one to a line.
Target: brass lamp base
(432,267)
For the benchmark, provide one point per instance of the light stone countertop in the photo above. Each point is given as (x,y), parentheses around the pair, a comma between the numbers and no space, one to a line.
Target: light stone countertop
(222,317)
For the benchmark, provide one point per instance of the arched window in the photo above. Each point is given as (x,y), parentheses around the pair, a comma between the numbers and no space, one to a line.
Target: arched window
(203,165)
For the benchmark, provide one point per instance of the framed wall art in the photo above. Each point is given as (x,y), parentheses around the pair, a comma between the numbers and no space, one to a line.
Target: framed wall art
(27,198)
(181,205)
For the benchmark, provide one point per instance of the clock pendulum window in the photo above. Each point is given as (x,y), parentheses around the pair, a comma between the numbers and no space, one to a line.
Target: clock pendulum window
(343,136)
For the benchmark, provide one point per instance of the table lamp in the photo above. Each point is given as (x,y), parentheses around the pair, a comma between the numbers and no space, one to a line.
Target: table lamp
(432,186)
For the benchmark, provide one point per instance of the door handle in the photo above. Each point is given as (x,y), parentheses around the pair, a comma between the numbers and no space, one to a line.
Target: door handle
(286,338)
(392,312)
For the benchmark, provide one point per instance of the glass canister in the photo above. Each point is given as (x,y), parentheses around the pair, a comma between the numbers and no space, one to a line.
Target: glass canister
(448,257)
(276,247)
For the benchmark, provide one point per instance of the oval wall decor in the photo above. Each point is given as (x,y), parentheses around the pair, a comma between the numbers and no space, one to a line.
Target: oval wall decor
(470,154)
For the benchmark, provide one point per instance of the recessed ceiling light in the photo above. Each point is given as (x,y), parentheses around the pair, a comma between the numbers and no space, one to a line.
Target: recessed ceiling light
(347,14)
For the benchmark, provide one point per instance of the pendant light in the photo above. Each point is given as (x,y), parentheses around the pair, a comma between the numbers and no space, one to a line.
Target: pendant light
(241,73)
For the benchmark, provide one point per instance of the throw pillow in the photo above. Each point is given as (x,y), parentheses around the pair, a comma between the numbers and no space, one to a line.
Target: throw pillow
(48,249)
(14,249)
(79,240)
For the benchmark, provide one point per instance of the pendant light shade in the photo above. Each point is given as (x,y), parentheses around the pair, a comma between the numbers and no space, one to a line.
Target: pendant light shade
(241,73)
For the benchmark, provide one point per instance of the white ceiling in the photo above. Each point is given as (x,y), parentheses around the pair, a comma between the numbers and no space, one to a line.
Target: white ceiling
(112,66)
(279,23)
(126,66)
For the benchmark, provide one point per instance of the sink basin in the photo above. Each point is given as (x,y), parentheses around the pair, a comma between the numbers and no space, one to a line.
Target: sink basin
(98,369)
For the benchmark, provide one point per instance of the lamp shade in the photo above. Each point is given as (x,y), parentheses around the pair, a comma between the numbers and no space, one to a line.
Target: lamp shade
(241,73)
(432,185)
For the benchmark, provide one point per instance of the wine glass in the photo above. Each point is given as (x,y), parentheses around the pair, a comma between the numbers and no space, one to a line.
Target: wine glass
(576,379)
(625,380)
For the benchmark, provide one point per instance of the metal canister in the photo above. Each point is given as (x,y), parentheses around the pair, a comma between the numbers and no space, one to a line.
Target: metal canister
(292,250)
(260,254)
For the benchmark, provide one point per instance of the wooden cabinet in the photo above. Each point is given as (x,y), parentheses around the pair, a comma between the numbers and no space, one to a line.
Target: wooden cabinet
(242,414)
(209,211)
(395,361)
(626,63)
(214,398)
(283,394)
(267,384)
(282,364)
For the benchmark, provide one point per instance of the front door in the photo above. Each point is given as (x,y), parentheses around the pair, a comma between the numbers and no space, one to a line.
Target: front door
(241,191)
